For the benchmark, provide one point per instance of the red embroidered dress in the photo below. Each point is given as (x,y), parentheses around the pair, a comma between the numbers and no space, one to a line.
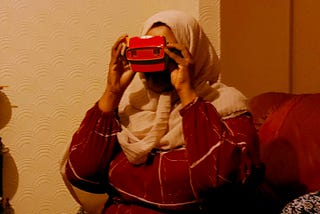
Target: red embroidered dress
(216,153)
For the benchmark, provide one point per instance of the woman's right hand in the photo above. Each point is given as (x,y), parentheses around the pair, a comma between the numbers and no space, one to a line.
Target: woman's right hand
(120,73)
(119,77)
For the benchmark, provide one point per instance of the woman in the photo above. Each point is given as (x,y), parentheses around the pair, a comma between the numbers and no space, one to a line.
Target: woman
(169,141)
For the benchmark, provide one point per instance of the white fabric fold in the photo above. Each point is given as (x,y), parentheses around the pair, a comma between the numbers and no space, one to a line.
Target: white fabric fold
(152,121)
(138,143)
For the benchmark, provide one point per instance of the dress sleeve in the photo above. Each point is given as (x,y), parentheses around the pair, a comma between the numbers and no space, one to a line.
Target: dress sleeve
(92,148)
(219,151)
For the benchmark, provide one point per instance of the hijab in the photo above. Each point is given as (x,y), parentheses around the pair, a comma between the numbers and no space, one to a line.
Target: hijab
(152,121)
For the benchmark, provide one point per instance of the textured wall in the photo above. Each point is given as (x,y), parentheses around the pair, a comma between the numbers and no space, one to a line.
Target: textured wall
(54,57)
(209,17)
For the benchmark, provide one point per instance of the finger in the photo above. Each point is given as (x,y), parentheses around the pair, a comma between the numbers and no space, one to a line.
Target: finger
(117,48)
(178,58)
(130,74)
(172,55)
(120,40)
(184,51)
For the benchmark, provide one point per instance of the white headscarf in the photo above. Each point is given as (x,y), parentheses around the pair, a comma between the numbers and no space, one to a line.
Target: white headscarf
(152,121)
(189,33)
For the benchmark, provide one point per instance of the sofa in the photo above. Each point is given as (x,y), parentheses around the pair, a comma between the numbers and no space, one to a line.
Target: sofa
(288,126)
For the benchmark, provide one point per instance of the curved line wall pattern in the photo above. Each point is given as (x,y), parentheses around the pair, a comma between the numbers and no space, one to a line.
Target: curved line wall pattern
(54,57)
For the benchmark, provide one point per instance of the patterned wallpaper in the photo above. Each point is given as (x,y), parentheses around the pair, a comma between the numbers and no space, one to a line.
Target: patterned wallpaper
(53,58)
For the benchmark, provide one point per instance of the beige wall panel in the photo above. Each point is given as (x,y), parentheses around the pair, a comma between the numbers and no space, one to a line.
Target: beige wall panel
(255,45)
(306,47)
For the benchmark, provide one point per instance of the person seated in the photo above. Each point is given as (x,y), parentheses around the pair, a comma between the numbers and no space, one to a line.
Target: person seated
(172,141)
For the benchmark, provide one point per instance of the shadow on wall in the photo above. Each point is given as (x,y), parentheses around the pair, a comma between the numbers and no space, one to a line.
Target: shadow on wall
(5,109)
(9,173)
(10,180)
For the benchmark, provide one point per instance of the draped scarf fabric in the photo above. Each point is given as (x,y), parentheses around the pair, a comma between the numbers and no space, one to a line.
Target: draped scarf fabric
(152,121)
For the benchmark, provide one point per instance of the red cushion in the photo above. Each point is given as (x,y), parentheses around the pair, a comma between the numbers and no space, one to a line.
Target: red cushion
(262,105)
(290,146)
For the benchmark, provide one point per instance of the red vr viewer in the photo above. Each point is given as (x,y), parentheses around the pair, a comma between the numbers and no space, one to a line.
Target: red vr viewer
(146,54)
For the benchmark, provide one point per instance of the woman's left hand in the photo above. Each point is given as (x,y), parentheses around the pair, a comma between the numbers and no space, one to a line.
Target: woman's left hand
(181,76)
